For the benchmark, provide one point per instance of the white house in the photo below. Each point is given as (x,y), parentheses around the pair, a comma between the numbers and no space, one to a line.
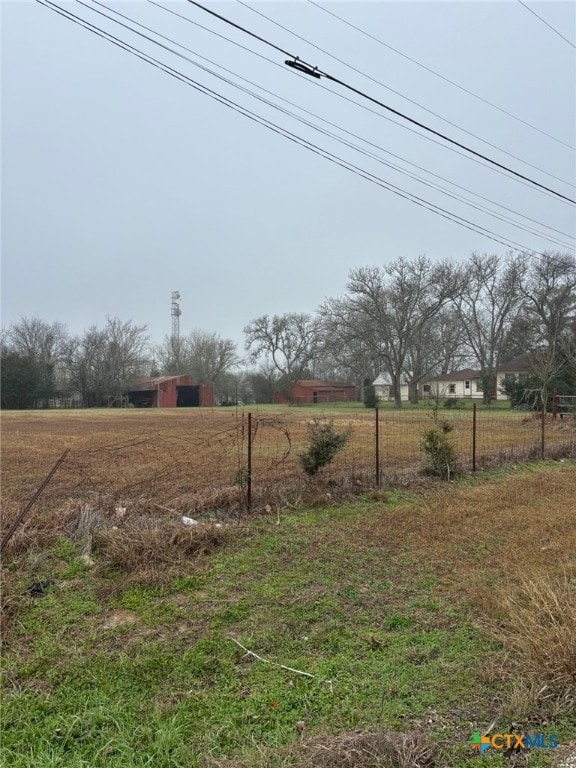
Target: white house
(466,383)
(384,388)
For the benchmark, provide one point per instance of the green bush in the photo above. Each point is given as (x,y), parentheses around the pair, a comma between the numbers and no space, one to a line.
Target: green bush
(370,398)
(438,449)
(454,402)
(324,442)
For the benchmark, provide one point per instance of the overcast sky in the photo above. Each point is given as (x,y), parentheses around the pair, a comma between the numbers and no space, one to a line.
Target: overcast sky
(121,184)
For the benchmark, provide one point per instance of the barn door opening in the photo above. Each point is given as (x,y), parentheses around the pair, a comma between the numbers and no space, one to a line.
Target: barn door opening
(188,396)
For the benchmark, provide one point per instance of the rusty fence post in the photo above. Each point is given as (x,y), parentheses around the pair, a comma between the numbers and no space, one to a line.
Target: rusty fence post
(249,477)
(33,500)
(377,451)
(543,431)
(473,437)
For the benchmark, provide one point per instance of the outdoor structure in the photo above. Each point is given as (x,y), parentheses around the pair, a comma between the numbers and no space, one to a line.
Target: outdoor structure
(309,391)
(466,383)
(518,368)
(170,392)
(384,389)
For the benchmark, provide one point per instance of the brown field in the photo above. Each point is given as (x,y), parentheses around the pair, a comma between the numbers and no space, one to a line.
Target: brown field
(485,568)
(193,459)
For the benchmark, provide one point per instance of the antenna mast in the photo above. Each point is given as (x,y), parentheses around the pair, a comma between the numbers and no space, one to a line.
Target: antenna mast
(176,312)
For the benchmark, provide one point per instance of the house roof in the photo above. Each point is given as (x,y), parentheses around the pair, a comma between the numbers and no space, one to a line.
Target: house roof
(523,363)
(464,375)
(382,381)
(319,384)
(154,380)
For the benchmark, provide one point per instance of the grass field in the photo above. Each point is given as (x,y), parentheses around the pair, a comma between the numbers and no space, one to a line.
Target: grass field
(398,607)
(187,459)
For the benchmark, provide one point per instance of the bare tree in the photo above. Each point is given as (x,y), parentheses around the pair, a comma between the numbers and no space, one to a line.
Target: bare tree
(263,383)
(390,310)
(205,356)
(290,342)
(42,344)
(104,361)
(549,294)
(487,304)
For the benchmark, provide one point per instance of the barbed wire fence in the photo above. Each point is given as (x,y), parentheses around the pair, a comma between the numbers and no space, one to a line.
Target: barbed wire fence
(218,462)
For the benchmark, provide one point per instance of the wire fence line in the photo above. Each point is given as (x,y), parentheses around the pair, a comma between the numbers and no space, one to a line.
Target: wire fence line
(197,461)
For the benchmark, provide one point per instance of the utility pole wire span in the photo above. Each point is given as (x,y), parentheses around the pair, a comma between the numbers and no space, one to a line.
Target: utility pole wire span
(547,24)
(397,112)
(325,132)
(440,75)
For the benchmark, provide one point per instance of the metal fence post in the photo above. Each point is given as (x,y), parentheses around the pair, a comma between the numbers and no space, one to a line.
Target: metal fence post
(249,478)
(543,430)
(377,452)
(473,437)
(32,501)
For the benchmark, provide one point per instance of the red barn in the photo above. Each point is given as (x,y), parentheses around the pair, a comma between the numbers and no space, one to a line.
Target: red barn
(316,391)
(171,392)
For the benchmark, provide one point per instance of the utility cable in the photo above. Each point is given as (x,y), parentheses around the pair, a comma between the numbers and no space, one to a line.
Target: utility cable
(364,95)
(439,74)
(381,115)
(333,136)
(547,24)
(287,134)
(397,93)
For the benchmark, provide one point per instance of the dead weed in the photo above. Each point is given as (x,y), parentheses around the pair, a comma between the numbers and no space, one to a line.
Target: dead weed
(356,749)
(133,545)
(539,633)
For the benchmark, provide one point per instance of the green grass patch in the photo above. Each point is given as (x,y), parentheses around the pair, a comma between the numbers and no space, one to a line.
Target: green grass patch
(151,675)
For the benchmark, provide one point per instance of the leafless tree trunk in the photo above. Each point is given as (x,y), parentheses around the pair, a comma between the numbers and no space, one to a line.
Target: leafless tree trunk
(390,309)
(289,341)
(487,304)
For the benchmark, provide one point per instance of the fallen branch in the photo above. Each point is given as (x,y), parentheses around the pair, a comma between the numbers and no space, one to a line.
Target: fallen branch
(167,509)
(267,661)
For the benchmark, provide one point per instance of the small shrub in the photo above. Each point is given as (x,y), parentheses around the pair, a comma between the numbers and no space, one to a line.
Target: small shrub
(454,403)
(242,476)
(438,449)
(324,442)
(370,398)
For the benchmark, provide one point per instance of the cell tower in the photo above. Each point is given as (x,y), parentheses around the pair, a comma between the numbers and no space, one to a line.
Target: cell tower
(176,312)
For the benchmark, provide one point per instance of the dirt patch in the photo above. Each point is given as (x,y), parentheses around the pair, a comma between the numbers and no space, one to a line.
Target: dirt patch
(120,618)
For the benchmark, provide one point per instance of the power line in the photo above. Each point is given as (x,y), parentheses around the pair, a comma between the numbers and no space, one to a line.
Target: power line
(478,229)
(440,75)
(547,24)
(351,145)
(377,113)
(364,95)
(399,94)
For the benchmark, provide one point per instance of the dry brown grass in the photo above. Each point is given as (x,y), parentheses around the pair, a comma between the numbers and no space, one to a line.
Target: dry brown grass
(355,749)
(191,460)
(132,546)
(539,632)
(492,529)
(382,749)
